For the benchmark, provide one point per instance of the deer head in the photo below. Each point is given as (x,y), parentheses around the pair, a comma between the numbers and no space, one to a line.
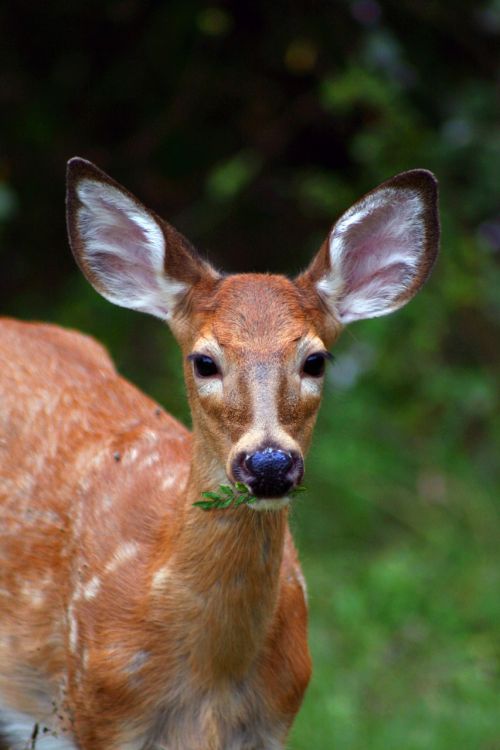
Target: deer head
(255,345)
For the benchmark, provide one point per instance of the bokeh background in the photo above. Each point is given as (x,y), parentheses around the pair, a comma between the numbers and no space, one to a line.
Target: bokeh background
(251,126)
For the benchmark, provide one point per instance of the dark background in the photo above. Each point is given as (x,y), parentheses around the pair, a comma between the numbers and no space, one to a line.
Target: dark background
(251,127)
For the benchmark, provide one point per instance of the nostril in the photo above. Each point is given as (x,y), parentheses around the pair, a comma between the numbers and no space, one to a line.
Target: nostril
(270,460)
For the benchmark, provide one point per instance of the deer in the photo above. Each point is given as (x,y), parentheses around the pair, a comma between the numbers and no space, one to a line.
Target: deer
(131,617)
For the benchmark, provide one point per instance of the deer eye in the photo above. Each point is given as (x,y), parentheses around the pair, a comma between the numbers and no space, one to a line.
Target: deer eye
(204,366)
(314,366)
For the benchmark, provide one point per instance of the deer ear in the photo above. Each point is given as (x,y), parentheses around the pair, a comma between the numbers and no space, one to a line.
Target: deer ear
(381,250)
(129,255)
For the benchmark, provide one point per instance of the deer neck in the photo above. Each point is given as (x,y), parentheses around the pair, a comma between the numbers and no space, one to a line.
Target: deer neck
(224,575)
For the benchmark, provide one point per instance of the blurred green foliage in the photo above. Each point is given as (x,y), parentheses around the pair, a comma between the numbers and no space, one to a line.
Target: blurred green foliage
(251,127)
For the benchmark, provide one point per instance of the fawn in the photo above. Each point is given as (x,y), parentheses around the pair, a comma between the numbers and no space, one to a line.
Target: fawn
(130,618)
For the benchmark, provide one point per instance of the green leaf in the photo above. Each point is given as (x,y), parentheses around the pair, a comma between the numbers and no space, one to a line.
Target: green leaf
(205,504)
(211,495)
(227,497)
(225,503)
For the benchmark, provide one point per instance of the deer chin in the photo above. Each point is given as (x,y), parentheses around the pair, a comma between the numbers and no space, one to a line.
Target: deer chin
(271,503)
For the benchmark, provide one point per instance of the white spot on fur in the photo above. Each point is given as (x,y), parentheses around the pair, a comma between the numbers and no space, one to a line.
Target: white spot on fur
(311,386)
(107,502)
(124,552)
(34,593)
(91,588)
(137,662)
(302,582)
(84,484)
(168,482)
(159,577)
(73,629)
(85,659)
(131,456)
(150,460)
(98,459)
(209,386)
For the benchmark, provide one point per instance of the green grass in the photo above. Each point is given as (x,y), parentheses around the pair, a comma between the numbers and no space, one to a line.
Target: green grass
(404,648)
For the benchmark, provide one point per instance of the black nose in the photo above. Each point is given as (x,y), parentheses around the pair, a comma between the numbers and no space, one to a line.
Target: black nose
(269,472)
(269,461)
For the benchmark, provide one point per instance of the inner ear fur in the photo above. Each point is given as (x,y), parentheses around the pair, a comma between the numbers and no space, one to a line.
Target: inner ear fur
(181,262)
(395,278)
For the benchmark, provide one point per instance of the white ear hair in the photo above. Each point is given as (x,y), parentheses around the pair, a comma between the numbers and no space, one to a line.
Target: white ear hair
(382,249)
(123,249)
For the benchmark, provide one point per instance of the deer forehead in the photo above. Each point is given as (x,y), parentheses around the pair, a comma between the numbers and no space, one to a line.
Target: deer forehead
(257,311)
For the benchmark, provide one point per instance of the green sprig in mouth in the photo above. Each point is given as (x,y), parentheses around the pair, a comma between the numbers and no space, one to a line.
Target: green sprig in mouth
(229,495)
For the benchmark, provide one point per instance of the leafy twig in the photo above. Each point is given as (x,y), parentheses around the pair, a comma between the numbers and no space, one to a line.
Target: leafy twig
(236,495)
